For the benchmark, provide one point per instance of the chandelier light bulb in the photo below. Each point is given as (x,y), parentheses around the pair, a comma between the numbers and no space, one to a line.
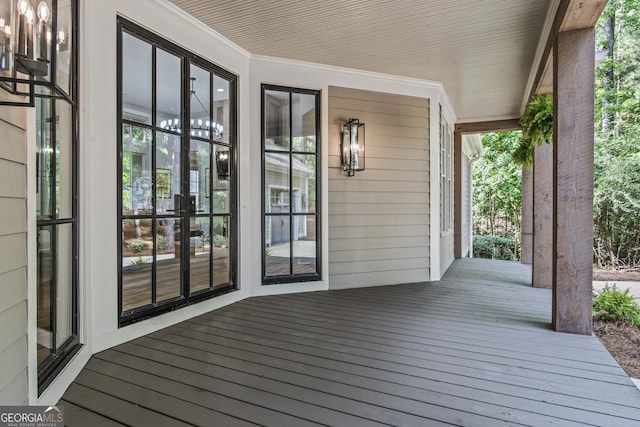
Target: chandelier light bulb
(43,11)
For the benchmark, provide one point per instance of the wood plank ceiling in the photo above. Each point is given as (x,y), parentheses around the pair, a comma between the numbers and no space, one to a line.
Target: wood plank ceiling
(483,51)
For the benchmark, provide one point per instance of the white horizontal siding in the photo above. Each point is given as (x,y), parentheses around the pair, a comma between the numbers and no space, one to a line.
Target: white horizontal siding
(379,218)
(13,257)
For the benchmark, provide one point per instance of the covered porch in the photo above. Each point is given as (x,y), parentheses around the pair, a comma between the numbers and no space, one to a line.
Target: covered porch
(475,348)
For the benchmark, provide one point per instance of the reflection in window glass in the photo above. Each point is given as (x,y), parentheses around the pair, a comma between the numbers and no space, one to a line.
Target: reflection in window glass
(290,186)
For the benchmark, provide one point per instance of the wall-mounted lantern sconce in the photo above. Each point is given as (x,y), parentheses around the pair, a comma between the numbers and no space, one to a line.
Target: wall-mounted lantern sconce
(352,147)
(222,164)
(36,55)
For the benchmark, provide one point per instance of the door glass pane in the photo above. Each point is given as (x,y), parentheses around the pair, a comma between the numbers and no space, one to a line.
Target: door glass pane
(64,160)
(304,183)
(44,275)
(200,175)
(137,260)
(200,94)
(45,154)
(276,117)
(303,122)
(167,172)
(276,182)
(221,109)
(304,244)
(277,252)
(168,91)
(136,170)
(168,259)
(64,297)
(221,179)
(136,79)
(200,253)
(220,249)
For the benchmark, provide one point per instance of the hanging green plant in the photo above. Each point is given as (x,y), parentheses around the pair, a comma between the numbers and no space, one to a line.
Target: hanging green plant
(537,128)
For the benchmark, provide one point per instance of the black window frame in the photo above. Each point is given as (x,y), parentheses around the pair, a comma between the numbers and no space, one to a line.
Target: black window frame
(53,364)
(305,277)
(188,59)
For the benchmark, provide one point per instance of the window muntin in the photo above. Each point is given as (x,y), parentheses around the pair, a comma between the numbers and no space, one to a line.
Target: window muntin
(291,205)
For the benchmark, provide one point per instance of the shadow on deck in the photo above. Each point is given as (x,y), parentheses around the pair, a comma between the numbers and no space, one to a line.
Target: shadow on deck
(473,349)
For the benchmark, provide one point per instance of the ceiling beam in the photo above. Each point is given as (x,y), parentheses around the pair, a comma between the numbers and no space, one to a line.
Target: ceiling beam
(492,126)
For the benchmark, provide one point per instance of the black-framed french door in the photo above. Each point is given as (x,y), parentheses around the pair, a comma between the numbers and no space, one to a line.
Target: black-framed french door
(176,176)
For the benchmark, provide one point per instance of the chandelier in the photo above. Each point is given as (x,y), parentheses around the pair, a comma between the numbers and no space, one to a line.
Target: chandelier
(198,127)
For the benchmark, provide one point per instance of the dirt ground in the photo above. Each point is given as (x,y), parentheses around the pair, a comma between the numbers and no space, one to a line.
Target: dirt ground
(622,340)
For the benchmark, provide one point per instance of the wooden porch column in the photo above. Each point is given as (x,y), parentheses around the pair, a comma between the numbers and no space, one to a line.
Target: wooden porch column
(526,251)
(457,194)
(573,79)
(542,216)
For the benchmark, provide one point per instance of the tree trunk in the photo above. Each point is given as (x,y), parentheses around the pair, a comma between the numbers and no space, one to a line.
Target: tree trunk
(609,81)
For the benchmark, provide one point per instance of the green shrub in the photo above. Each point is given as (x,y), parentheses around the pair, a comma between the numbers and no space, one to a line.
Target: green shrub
(137,245)
(613,304)
(219,240)
(162,242)
(493,247)
(137,261)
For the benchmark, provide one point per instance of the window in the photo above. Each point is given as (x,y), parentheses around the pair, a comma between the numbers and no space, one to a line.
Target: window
(57,224)
(446,176)
(290,165)
(176,173)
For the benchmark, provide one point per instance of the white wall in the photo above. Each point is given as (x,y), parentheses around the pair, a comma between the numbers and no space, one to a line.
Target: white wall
(13,256)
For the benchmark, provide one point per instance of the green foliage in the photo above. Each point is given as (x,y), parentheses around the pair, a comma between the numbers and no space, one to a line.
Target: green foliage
(613,304)
(162,242)
(137,261)
(537,128)
(493,247)
(617,139)
(497,187)
(219,240)
(137,245)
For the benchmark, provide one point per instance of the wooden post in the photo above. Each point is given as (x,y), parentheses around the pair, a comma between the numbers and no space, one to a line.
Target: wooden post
(542,216)
(457,194)
(573,79)
(526,250)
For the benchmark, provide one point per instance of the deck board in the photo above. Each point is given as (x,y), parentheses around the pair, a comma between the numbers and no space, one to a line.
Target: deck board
(474,349)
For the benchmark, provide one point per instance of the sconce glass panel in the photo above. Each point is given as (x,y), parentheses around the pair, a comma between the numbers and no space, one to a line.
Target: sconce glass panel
(352,147)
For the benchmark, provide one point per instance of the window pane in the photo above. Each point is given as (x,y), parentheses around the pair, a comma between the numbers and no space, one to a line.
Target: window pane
(276,120)
(220,247)
(304,183)
(276,182)
(304,244)
(200,175)
(136,170)
(136,79)
(277,252)
(200,94)
(44,275)
(64,160)
(167,259)
(137,261)
(65,46)
(167,171)
(200,253)
(221,179)
(221,110)
(168,91)
(304,122)
(44,158)
(64,283)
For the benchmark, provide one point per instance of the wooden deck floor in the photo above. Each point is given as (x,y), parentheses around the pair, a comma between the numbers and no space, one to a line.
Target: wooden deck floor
(474,349)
